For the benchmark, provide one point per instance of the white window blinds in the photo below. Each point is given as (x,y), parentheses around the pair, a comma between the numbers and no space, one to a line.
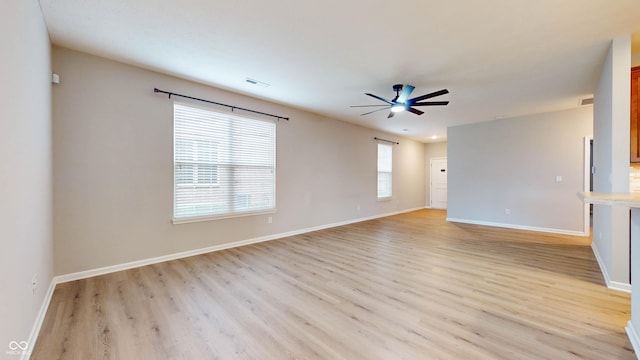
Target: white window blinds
(385,155)
(224,164)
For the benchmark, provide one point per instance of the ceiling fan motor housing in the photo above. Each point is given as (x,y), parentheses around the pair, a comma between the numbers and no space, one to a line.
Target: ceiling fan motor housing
(401,102)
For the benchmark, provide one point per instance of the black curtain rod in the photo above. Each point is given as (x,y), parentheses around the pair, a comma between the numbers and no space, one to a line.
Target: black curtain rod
(217,103)
(389,141)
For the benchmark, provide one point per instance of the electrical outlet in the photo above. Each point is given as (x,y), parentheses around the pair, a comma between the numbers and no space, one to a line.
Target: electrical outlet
(358,208)
(270,219)
(34,283)
(507,211)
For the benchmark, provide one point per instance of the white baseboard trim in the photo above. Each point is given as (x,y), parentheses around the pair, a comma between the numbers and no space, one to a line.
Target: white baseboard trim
(35,330)
(614,285)
(139,263)
(518,227)
(634,339)
(603,269)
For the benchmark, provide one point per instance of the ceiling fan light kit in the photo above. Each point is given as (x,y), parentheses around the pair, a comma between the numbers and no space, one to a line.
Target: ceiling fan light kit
(398,108)
(401,101)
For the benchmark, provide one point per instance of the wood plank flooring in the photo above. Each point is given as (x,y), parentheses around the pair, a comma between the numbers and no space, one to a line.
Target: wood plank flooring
(410,286)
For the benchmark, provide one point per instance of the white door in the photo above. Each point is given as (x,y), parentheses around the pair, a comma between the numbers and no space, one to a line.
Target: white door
(438,193)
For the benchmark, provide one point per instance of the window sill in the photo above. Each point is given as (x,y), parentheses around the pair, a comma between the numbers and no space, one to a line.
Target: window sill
(221,217)
(388,198)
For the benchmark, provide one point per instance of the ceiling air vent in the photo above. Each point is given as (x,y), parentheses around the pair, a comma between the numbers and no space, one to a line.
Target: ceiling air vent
(586,101)
(256,82)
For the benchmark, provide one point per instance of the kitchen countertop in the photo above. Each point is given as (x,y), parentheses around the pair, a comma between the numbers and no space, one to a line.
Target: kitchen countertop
(615,198)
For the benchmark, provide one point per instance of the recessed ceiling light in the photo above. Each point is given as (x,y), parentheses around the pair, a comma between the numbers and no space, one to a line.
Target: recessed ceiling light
(434,137)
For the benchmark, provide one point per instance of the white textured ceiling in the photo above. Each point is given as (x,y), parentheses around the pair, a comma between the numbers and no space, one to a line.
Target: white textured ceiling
(498,58)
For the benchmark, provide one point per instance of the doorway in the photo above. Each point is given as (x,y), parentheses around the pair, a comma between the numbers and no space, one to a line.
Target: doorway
(438,184)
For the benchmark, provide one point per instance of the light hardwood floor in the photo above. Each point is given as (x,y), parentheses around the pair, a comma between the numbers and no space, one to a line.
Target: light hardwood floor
(410,286)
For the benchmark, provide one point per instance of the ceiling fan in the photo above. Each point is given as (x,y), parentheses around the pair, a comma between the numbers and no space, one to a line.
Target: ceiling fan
(402,102)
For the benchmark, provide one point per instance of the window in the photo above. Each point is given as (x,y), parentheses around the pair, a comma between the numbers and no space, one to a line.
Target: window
(196,163)
(385,172)
(224,164)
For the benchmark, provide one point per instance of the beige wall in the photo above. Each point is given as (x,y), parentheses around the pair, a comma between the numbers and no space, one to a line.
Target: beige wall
(113,168)
(513,164)
(26,247)
(432,150)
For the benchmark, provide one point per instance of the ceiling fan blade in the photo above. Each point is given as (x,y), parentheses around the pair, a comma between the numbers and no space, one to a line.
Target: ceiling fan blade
(406,91)
(376,110)
(366,105)
(428,96)
(431,103)
(391,113)
(379,98)
(415,111)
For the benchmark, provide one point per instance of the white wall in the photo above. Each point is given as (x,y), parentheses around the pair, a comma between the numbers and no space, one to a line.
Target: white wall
(611,161)
(26,247)
(432,150)
(513,164)
(113,168)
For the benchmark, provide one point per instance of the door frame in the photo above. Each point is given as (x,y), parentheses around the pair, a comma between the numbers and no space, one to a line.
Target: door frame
(586,183)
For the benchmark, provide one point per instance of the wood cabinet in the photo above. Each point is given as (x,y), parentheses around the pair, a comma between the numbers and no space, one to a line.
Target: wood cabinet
(635,114)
